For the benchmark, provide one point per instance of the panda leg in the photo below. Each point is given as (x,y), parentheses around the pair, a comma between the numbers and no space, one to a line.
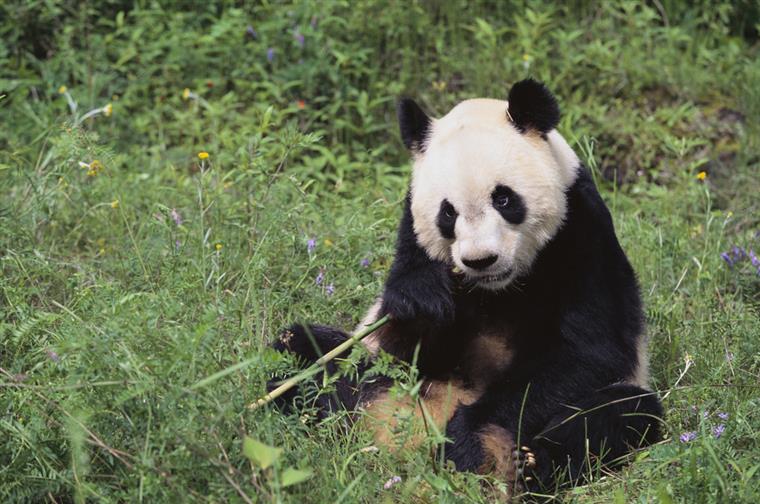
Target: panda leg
(309,343)
(598,431)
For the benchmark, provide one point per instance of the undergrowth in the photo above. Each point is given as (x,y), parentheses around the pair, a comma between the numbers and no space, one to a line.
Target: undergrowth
(141,284)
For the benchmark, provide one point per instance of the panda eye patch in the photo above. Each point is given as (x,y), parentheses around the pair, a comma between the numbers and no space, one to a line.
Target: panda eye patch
(447,218)
(509,204)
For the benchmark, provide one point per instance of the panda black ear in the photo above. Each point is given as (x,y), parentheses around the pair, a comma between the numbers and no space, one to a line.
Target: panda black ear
(413,123)
(532,107)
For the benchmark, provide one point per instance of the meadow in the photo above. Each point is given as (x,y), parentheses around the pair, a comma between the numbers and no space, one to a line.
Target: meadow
(179,183)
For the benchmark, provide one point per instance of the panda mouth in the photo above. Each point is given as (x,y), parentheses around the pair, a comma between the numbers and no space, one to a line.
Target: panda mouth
(494,279)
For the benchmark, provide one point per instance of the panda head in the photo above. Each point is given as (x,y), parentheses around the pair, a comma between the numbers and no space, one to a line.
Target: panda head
(489,180)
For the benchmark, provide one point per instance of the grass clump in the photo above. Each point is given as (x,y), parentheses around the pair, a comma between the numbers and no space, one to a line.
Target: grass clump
(140,283)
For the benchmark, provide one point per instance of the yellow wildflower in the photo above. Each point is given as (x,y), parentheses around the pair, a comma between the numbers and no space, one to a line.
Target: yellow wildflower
(203,155)
(62,89)
(93,168)
(218,247)
(439,85)
(115,204)
(186,94)
(108,110)
(526,57)
(702,175)
(328,242)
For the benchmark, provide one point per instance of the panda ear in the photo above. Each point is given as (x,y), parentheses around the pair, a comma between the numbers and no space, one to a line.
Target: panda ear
(413,123)
(532,107)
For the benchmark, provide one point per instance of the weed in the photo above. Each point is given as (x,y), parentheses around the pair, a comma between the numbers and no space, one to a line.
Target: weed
(179,185)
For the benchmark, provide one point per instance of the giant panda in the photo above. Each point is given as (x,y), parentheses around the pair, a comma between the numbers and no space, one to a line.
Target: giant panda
(511,295)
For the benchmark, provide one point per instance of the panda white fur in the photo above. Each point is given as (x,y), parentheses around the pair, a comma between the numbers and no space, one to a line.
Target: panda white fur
(509,278)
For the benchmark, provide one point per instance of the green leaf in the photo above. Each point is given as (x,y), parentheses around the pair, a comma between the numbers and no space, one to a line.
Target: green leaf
(619,496)
(260,454)
(437,482)
(291,476)
(663,494)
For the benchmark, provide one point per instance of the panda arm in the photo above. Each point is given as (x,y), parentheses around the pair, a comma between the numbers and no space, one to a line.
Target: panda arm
(418,287)
(418,297)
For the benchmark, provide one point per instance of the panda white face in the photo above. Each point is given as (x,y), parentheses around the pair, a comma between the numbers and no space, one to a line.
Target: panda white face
(485,196)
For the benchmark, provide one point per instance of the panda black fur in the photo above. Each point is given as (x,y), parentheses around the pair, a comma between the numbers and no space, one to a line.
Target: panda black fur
(510,278)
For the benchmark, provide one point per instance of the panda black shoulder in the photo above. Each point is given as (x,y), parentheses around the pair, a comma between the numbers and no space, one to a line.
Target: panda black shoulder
(587,271)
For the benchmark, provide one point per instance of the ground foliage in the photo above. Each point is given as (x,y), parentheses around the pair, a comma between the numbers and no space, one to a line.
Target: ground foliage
(140,284)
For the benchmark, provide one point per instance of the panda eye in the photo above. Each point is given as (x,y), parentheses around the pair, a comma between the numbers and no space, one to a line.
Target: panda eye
(501,197)
(446,220)
(447,209)
(501,201)
(509,204)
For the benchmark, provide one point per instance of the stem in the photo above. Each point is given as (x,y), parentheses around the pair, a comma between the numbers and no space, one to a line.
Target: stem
(89,114)
(295,380)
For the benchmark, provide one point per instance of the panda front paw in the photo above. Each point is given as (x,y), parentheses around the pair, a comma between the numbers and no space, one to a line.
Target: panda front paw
(419,297)
(489,448)
(464,448)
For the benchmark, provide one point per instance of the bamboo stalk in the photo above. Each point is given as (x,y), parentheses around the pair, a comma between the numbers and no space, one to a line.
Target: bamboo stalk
(314,368)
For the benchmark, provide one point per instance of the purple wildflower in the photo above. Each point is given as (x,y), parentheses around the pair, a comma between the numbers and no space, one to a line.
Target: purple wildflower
(688,436)
(705,415)
(270,54)
(727,258)
(311,245)
(313,22)
(53,356)
(755,260)
(718,430)
(738,253)
(177,244)
(391,482)
(320,278)
(176,217)
(364,263)
(330,290)
(722,416)
(299,37)
(250,32)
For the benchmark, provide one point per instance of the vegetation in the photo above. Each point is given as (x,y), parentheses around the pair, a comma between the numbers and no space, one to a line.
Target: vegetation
(140,282)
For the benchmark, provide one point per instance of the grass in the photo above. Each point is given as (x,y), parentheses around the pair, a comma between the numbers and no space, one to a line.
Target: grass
(137,298)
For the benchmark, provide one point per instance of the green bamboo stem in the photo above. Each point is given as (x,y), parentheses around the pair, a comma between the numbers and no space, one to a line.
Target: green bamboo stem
(314,368)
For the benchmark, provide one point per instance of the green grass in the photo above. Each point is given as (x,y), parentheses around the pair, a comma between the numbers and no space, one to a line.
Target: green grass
(131,345)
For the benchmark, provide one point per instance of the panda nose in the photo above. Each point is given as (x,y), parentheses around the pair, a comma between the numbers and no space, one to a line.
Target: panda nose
(480,264)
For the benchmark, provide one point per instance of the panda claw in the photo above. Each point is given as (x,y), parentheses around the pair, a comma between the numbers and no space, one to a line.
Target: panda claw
(524,461)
